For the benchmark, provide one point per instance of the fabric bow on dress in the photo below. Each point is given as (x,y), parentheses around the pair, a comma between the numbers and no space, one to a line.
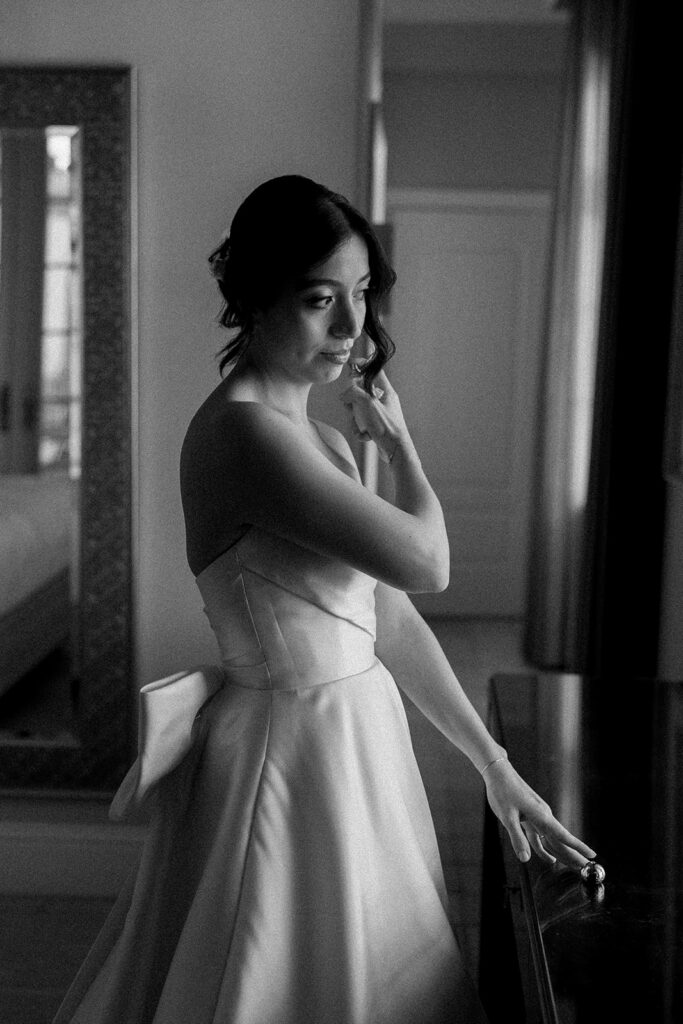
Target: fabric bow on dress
(168,709)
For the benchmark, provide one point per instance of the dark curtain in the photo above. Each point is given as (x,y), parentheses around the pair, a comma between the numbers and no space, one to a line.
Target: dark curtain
(597,535)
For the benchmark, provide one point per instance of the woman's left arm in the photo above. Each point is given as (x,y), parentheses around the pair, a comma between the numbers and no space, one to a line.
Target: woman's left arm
(411,652)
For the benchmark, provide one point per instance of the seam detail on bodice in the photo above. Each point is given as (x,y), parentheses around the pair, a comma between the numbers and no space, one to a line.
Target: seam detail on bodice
(247,605)
(247,852)
(288,690)
(316,604)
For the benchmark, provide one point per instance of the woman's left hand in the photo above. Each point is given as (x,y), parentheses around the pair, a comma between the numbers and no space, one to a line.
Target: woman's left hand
(529,821)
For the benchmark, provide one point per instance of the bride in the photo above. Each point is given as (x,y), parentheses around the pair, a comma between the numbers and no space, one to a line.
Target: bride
(291,874)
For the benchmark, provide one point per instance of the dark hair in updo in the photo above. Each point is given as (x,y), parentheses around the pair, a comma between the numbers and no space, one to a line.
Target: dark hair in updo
(282,230)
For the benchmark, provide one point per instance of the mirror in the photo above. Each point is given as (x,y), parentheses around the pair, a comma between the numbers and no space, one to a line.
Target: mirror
(40,435)
(65,560)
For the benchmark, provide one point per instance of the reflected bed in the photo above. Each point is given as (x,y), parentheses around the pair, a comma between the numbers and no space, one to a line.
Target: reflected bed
(37,527)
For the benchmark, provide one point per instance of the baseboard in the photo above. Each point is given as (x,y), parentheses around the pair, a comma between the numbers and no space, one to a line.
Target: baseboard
(72,859)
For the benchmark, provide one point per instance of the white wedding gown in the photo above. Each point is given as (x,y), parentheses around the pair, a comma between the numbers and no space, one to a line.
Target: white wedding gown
(291,873)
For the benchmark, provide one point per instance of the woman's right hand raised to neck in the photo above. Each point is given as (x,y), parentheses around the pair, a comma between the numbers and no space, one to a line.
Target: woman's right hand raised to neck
(379,417)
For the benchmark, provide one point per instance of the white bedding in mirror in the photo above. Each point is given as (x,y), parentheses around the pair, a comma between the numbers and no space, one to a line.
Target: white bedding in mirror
(38,514)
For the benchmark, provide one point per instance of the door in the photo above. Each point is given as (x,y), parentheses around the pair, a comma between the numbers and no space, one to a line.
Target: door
(466,318)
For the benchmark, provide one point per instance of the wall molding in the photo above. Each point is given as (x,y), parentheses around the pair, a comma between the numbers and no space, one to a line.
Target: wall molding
(419,198)
(524,12)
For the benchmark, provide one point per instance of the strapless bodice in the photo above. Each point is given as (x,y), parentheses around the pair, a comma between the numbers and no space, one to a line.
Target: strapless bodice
(286,617)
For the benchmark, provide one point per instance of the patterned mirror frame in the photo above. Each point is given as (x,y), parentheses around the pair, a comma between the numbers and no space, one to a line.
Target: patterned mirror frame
(98,100)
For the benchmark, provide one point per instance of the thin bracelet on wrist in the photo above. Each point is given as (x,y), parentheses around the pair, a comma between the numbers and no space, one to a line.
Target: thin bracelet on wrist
(503,757)
(397,445)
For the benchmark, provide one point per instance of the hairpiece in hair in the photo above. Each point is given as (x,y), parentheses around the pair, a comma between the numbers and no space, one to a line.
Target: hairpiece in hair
(219,258)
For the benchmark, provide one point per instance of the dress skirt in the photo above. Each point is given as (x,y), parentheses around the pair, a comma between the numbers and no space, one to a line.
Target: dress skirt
(290,875)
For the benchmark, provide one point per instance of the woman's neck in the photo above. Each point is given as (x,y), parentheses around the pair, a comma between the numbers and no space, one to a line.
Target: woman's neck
(262,384)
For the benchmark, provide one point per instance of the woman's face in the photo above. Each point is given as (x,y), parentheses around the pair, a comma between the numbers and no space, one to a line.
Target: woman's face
(307,334)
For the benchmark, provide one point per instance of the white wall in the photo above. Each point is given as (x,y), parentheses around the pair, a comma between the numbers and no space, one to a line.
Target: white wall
(230,92)
(472,131)
(473,106)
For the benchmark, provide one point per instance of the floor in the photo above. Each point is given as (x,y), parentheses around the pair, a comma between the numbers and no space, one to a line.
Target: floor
(42,943)
(43,939)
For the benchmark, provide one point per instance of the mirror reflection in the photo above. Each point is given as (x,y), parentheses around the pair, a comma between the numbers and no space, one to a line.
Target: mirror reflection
(41,332)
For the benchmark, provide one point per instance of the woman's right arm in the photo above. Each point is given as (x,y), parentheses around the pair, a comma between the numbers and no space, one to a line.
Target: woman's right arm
(383,422)
(273,478)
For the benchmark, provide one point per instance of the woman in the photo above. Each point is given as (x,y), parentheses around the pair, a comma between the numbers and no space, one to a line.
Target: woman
(291,875)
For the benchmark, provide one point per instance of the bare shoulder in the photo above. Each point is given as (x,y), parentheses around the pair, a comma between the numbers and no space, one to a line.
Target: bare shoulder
(226,450)
(248,418)
(221,429)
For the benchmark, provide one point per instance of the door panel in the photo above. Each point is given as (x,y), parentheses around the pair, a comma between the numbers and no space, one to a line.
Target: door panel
(466,320)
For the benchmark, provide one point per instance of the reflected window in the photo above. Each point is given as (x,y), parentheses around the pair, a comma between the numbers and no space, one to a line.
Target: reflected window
(60,399)
(50,412)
